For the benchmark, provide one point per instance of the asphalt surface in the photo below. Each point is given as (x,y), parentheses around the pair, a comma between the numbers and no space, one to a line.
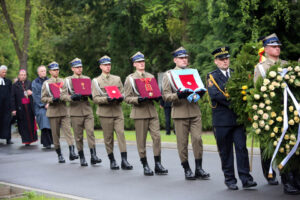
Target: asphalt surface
(38,168)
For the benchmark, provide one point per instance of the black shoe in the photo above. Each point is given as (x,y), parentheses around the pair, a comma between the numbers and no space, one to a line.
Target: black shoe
(60,157)
(168,133)
(83,162)
(249,184)
(199,172)
(48,147)
(273,181)
(288,181)
(232,186)
(8,141)
(187,171)
(147,170)
(27,145)
(72,155)
(159,169)
(125,164)
(113,163)
(94,158)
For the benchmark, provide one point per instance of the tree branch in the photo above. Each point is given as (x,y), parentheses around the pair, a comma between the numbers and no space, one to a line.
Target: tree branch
(26,34)
(11,29)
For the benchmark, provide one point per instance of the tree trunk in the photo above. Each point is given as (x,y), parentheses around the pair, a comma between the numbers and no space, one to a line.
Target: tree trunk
(21,53)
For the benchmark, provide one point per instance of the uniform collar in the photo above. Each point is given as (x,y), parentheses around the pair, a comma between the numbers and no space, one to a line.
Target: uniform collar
(142,74)
(76,76)
(105,76)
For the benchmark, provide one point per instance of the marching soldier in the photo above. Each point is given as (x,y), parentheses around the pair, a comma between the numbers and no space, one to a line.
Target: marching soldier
(272,45)
(187,119)
(110,113)
(226,129)
(81,114)
(145,117)
(57,113)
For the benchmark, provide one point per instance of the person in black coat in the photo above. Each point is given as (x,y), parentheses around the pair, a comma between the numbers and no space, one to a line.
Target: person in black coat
(22,107)
(227,131)
(5,114)
(167,106)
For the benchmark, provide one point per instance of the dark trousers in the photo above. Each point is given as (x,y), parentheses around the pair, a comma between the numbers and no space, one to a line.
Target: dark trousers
(168,119)
(46,137)
(265,164)
(226,136)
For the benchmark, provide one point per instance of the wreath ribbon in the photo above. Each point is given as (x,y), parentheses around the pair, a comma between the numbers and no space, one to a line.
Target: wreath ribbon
(147,84)
(286,92)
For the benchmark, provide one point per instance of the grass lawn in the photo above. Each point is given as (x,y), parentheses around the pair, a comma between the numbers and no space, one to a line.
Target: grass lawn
(208,139)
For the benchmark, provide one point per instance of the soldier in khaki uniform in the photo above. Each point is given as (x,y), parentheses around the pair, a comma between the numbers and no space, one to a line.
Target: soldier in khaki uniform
(110,113)
(145,117)
(272,45)
(57,113)
(187,119)
(81,114)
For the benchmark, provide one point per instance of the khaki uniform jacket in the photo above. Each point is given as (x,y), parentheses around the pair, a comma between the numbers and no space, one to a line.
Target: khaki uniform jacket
(266,65)
(181,108)
(77,108)
(143,110)
(105,108)
(58,109)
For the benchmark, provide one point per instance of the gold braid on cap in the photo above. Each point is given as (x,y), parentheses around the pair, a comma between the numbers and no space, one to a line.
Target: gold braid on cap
(222,52)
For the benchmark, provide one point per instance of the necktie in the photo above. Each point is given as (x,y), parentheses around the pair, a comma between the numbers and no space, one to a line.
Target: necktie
(227,74)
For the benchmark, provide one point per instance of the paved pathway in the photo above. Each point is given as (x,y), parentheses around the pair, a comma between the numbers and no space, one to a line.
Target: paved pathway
(38,168)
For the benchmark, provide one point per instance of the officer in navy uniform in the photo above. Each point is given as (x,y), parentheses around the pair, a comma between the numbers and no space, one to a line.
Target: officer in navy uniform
(227,131)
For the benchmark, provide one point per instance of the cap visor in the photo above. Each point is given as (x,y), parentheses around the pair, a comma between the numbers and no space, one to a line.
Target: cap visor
(79,65)
(182,56)
(274,44)
(140,59)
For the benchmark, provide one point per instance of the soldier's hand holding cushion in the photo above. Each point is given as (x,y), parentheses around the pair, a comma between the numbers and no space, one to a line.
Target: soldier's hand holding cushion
(142,99)
(55,100)
(75,97)
(182,94)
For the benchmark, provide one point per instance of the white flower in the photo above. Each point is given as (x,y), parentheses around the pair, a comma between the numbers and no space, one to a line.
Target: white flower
(279,78)
(267,127)
(255,117)
(262,123)
(254,107)
(293,137)
(266,81)
(272,94)
(297,69)
(291,122)
(290,68)
(255,125)
(257,131)
(263,88)
(256,96)
(265,96)
(287,77)
(279,69)
(265,116)
(261,105)
(269,108)
(272,74)
(283,85)
(271,87)
(293,77)
(268,102)
(298,73)
(260,112)
(272,134)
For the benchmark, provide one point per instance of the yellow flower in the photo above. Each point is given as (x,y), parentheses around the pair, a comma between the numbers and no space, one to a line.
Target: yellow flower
(271,122)
(243,92)
(257,131)
(279,119)
(273,114)
(291,108)
(292,143)
(267,127)
(244,98)
(291,122)
(287,146)
(272,94)
(244,87)
(286,137)
(295,112)
(287,77)
(283,85)
(279,69)
(275,129)
(268,102)
(281,150)
(296,119)
(293,137)
(272,134)
(275,143)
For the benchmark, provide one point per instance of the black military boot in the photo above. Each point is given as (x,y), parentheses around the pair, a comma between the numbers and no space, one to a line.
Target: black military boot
(72,155)
(199,172)
(187,171)
(159,169)
(125,164)
(113,163)
(60,156)
(82,159)
(287,180)
(94,158)
(147,170)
